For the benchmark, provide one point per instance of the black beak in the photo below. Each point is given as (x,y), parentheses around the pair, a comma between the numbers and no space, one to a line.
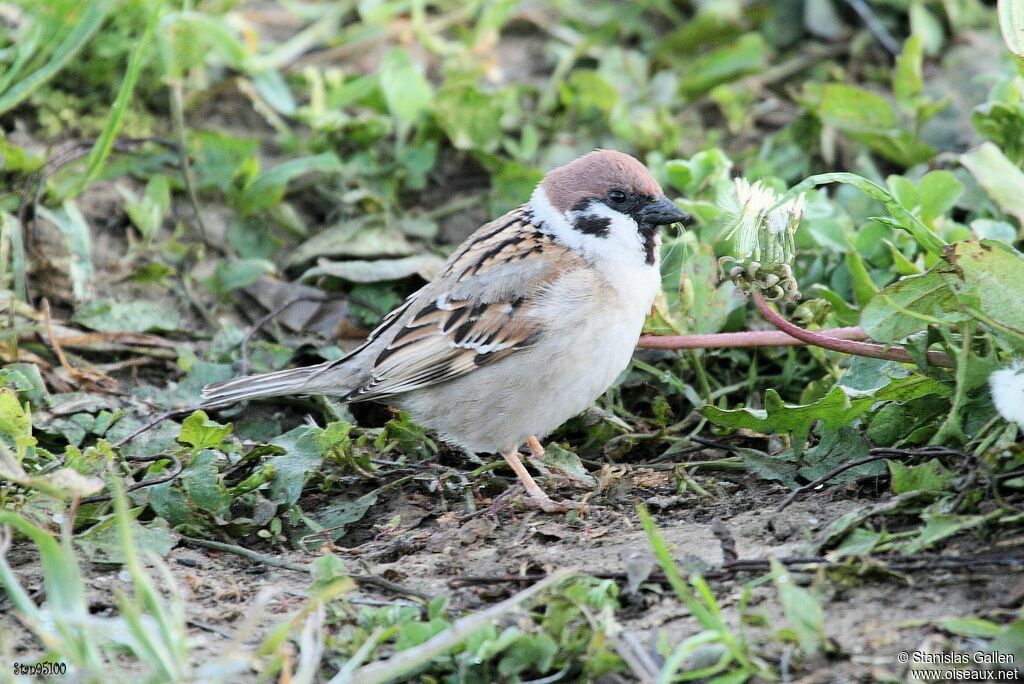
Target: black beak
(662,212)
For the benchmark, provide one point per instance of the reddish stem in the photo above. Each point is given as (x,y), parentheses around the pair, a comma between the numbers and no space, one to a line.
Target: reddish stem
(871,350)
(749,338)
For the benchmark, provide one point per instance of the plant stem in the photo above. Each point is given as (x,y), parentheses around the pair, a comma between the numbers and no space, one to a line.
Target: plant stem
(178,119)
(952,427)
(857,348)
(749,338)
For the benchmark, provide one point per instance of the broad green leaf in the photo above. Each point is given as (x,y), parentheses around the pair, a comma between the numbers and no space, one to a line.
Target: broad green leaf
(747,55)
(231,275)
(1011,24)
(855,110)
(836,448)
(300,460)
(15,418)
(940,526)
(700,172)
(778,468)
(199,432)
(926,25)
(1000,178)
(471,118)
(61,484)
(101,543)
(928,477)
(937,192)
(907,306)
(334,518)
(138,316)
(406,90)
(988,279)
(834,410)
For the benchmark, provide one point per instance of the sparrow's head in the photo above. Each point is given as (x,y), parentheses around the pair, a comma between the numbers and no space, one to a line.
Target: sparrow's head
(608,195)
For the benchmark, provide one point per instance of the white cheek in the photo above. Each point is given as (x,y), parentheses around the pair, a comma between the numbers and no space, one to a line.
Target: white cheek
(620,255)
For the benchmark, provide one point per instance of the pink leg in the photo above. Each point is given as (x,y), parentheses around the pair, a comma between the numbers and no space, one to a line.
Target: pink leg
(537,496)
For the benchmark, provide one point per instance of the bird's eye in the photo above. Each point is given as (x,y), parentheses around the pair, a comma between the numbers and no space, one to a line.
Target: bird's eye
(617,197)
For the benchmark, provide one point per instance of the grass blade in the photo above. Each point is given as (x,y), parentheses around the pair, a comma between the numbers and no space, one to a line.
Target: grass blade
(86,26)
(101,149)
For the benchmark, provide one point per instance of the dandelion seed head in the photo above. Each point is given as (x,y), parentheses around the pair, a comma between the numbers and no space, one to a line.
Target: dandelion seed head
(1007,386)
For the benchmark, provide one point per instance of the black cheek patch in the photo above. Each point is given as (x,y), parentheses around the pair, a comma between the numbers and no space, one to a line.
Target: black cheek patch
(593,225)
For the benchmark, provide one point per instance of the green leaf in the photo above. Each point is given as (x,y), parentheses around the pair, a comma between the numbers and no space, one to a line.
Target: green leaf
(567,463)
(855,110)
(84,26)
(890,315)
(928,477)
(199,432)
(405,89)
(1011,24)
(700,172)
(72,224)
(747,55)
(998,176)
(802,608)
(937,193)
(334,518)
(101,148)
(232,275)
(988,279)
(834,410)
(301,459)
(101,543)
(470,118)
(870,118)
(269,187)
(906,78)
(971,627)
(836,448)
(138,316)
(864,288)
(924,235)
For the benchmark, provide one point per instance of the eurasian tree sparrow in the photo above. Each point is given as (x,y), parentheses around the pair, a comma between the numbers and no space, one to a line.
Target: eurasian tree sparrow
(529,321)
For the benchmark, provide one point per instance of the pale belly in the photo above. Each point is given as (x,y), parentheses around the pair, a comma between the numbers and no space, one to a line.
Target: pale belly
(532,392)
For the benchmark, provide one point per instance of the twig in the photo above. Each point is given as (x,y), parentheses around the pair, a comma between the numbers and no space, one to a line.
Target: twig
(178,119)
(408,660)
(875,26)
(176,468)
(749,338)
(256,556)
(152,424)
(877,454)
(857,348)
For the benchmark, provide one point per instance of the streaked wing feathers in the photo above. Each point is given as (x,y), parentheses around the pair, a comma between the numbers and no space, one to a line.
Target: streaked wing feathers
(479,310)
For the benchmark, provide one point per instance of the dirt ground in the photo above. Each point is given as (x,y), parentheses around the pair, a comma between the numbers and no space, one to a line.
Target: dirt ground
(475,557)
